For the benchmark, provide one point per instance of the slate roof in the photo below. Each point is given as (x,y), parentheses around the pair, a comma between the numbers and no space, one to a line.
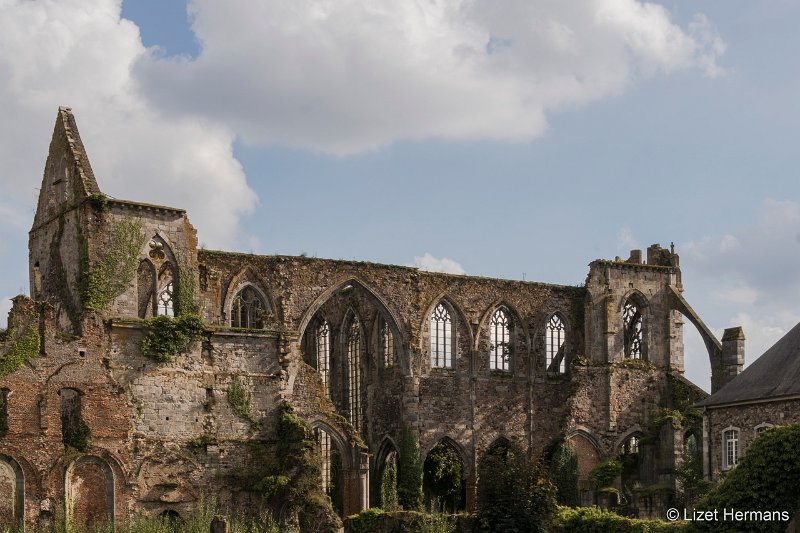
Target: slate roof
(774,375)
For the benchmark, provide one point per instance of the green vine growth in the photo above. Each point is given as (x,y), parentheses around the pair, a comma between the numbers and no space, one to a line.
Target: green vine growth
(116,268)
(165,337)
(239,400)
(23,347)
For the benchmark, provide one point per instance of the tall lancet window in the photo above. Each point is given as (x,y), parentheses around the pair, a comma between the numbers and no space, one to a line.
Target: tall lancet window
(632,317)
(500,349)
(323,354)
(554,345)
(441,326)
(354,371)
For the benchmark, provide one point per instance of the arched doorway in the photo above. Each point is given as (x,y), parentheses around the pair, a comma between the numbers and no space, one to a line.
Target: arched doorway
(443,479)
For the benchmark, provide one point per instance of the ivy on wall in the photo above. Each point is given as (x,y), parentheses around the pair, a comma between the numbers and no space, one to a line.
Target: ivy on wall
(165,337)
(409,483)
(239,400)
(23,346)
(111,275)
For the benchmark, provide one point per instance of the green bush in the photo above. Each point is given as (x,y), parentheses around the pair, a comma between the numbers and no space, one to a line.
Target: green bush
(388,487)
(604,474)
(165,337)
(239,400)
(77,435)
(23,347)
(443,478)
(766,479)
(597,520)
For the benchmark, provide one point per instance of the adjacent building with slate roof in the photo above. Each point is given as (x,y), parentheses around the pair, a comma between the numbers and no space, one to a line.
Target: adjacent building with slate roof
(765,394)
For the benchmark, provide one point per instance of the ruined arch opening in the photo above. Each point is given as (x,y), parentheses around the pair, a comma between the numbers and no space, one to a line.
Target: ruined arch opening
(385,479)
(443,482)
(90,493)
(331,468)
(12,493)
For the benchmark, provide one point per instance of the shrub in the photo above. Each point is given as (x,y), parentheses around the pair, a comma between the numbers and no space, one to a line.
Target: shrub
(596,520)
(604,474)
(165,337)
(766,479)
(563,470)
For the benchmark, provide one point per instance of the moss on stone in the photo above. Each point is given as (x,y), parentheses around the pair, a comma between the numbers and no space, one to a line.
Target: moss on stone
(165,337)
(240,401)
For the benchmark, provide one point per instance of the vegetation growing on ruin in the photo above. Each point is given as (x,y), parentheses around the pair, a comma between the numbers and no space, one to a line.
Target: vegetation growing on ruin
(288,475)
(98,200)
(514,494)
(388,488)
(165,337)
(443,476)
(239,399)
(112,273)
(676,408)
(563,471)
(185,285)
(23,346)
(77,435)
(203,441)
(409,483)
(604,474)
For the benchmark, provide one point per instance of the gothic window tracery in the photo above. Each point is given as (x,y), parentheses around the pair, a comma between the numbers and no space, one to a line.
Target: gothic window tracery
(247,309)
(387,343)
(555,336)
(632,319)
(323,354)
(500,349)
(166,288)
(354,371)
(441,332)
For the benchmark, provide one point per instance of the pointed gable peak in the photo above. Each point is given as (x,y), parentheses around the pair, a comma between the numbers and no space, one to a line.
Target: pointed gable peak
(68,178)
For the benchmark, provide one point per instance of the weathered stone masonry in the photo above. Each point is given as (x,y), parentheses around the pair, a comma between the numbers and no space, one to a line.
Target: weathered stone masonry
(146,418)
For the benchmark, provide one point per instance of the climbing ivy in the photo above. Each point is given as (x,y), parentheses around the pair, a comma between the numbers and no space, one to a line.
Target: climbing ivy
(111,275)
(563,470)
(409,484)
(239,400)
(388,495)
(165,337)
(183,296)
(23,347)
(443,476)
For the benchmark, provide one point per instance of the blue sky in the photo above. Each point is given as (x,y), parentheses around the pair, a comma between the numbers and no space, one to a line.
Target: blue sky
(501,138)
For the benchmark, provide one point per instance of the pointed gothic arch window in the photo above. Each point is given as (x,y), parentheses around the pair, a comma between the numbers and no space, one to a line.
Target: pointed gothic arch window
(555,337)
(324,354)
(386,343)
(247,309)
(632,319)
(441,332)
(146,288)
(500,347)
(354,371)
(166,289)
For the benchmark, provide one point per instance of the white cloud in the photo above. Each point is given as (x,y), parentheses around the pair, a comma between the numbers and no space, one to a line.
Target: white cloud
(432,264)
(343,77)
(747,278)
(81,54)
(5,307)
(625,240)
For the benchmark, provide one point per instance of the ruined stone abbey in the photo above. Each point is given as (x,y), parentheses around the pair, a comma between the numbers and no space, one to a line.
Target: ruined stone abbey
(91,424)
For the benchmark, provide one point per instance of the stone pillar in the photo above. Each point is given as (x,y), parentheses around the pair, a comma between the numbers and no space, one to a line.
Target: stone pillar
(731,359)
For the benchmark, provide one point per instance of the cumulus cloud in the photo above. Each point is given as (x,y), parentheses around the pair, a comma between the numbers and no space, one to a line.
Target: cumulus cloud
(747,278)
(432,264)
(81,54)
(343,77)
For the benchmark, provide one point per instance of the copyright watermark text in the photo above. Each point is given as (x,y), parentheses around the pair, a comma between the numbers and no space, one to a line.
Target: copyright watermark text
(726,515)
